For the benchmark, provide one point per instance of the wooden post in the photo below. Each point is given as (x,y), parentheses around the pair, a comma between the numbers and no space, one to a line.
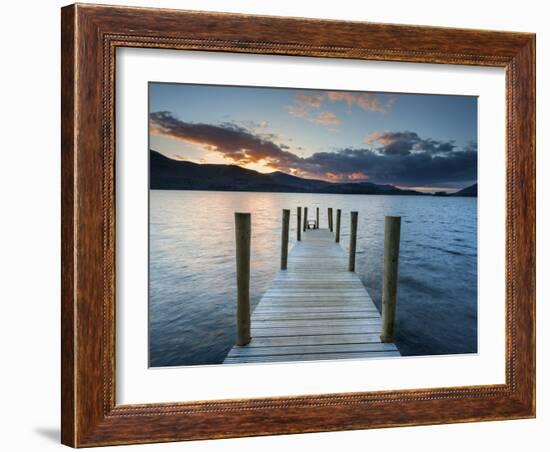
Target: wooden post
(330,218)
(338,215)
(317,219)
(242,239)
(352,241)
(284,238)
(305,219)
(392,232)
(299,228)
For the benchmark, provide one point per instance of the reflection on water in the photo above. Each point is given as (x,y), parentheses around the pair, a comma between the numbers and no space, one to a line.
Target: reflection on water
(192,267)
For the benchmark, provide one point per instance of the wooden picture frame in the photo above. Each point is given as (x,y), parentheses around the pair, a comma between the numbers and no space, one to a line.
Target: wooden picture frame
(90,36)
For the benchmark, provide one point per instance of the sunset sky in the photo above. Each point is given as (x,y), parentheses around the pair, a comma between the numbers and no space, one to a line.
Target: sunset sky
(427,142)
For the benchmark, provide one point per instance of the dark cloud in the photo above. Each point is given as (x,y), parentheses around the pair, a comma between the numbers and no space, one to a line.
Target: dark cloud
(420,168)
(400,158)
(407,142)
(234,142)
(435,147)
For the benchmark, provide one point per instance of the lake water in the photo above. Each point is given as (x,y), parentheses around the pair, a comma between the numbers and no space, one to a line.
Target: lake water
(192,301)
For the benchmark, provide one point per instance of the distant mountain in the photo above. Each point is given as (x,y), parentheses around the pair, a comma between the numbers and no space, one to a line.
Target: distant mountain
(468,191)
(299,183)
(170,174)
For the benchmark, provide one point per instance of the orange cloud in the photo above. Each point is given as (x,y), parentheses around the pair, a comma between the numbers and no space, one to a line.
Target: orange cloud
(327,118)
(345,177)
(304,104)
(366,101)
(310,100)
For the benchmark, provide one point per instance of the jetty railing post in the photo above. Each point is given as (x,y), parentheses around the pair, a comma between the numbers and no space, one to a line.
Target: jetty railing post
(242,239)
(392,232)
(299,228)
(352,241)
(284,238)
(330,218)
(305,219)
(338,216)
(317,219)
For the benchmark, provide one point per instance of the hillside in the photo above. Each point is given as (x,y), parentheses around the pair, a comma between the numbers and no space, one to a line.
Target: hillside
(468,191)
(170,174)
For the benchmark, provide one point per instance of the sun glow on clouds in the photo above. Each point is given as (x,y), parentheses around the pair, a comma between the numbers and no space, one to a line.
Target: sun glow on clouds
(398,158)
(353,177)
(261,167)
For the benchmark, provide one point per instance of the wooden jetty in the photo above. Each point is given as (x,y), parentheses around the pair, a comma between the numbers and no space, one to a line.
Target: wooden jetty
(315,309)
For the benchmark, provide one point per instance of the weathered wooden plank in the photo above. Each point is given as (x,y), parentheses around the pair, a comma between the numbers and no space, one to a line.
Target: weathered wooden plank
(310,357)
(324,339)
(314,308)
(340,298)
(327,303)
(345,286)
(312,304)
(307,323)
(319,309)
(311,300)
(283,316)
(315,330)
(310,297)
(305,349)
(314,291)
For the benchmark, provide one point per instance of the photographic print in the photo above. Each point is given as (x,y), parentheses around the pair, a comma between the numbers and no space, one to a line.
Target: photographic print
(270,216)
(290,225)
